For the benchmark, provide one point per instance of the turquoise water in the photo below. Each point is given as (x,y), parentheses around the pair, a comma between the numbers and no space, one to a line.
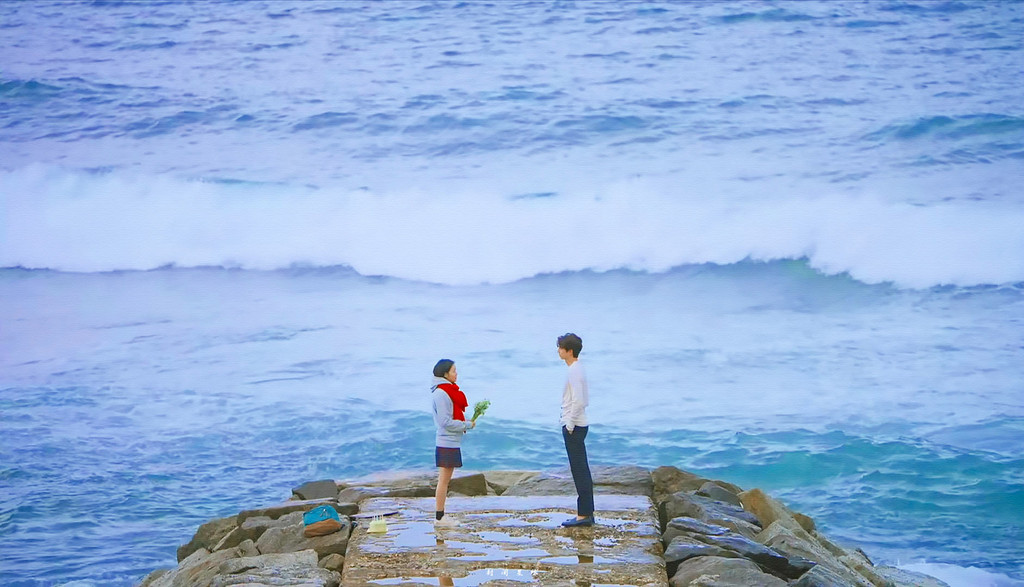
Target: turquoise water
(902,500)
(137,405)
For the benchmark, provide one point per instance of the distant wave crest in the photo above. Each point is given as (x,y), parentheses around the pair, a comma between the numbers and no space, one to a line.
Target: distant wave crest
(948,127)
(83,222)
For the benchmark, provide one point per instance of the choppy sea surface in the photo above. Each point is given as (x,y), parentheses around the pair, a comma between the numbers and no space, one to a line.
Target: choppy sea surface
(236,236)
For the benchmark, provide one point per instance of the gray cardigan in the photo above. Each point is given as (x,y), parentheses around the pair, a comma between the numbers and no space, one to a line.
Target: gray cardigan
(449,430)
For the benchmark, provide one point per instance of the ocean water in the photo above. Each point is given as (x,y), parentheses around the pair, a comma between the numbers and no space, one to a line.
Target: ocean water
(236,236)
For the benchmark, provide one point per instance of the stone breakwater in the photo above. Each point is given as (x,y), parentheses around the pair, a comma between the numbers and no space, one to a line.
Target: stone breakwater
(654,527)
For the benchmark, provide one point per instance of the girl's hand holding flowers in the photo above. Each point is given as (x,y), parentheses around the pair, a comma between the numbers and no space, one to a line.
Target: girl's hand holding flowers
(479,408)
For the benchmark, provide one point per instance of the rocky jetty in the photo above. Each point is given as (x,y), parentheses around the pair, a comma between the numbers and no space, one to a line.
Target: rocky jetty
(655,527)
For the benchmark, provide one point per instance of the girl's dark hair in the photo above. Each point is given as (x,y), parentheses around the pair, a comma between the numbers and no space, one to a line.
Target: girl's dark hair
(571,342)
(442,367)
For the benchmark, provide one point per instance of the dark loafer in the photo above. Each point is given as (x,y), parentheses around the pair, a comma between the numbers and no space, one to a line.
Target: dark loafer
(576,522)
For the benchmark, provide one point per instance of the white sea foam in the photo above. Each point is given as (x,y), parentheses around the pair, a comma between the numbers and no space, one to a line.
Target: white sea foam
(957,576)
(87,222)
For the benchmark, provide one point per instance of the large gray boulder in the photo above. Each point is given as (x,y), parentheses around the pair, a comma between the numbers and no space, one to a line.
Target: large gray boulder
(324,489)
(684,504)
(197,570)
(466,483)
(767,558)
(332,562)
(151,578)
(717,492)
(283,560)
(208,536)
(499,481)
(688,526)
(683,548)
(769,510)
(669,480)
(821,576)
(622,480)
(796,543)
(292,569)
(685,536)
(253,528)
(247,548)
(711,571)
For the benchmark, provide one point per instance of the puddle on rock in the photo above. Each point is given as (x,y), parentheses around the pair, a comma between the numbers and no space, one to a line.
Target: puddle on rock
(524,534)
(533,521)
(474,578)
(490,552)
(503,537)
(579,559)
(402,535)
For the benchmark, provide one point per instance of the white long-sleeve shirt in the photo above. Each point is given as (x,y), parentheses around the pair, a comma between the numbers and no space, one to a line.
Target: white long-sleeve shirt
(575,398)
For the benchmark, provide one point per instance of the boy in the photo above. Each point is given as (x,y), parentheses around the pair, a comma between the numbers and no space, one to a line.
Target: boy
(575,398)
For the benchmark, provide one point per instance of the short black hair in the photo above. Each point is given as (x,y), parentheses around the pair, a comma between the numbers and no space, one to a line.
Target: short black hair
(571,342)
(443,367)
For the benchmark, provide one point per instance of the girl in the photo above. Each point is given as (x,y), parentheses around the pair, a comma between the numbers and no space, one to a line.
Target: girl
(450,418)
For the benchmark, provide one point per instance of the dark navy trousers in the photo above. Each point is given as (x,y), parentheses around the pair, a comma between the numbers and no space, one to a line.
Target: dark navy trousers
(580,467)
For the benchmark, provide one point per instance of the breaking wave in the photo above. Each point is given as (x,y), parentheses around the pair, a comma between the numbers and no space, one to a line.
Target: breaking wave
(91,222)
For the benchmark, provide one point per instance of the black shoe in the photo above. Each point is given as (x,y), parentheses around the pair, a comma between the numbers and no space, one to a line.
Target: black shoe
(576,522)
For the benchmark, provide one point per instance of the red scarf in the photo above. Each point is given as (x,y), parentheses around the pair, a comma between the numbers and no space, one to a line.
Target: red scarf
(458,398)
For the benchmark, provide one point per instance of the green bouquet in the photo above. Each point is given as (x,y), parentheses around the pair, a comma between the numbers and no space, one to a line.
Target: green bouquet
(479,408)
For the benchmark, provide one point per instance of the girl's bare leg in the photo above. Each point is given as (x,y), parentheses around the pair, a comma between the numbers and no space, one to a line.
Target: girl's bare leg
(444,476)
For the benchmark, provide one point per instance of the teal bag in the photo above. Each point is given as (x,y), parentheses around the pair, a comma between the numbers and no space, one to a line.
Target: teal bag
(320,521)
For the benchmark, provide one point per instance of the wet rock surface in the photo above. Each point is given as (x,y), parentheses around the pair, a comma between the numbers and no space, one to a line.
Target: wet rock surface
(654,527)
(515,539)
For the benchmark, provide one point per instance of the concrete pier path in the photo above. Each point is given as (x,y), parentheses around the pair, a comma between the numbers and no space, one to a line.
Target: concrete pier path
(508,541)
